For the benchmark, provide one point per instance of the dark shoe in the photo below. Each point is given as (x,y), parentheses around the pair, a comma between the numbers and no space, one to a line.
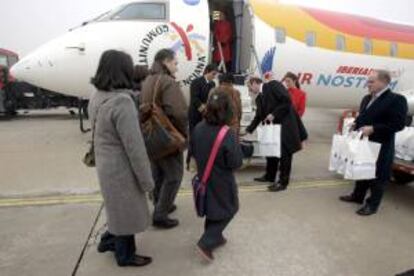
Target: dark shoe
(263,179)
(276,188)
(172,209)
(207,255)
(137,261)
(165,224)
(102,248)
(107,243)
(350,199)
(366,211)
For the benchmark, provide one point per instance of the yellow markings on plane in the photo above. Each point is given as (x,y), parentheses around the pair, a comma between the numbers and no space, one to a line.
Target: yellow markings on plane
(97,198)
(297,23)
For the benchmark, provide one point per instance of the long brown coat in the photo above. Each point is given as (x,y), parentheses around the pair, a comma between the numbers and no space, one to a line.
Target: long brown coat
(234,95)
(122,163)
(170,99)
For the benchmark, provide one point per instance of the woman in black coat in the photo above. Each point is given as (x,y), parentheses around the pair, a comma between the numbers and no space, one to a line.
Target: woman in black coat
(222,201)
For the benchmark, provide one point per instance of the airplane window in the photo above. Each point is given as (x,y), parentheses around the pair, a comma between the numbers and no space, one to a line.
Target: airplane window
(12,60)
(368,47)
(280,34)
(394,49)
(145,11)
(311,39)
(109,14)
(340,43)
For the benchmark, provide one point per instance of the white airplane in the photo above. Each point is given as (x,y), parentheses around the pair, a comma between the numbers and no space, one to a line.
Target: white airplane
(332,52)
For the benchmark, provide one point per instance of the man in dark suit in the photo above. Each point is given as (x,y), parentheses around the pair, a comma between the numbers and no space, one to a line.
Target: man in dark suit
(274,106)
(382,114)
(199,90)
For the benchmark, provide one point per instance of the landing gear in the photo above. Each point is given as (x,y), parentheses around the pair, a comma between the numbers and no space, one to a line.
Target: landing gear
(83,114)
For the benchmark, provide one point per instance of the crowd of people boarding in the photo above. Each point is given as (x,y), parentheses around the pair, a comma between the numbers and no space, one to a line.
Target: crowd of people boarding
(142,126)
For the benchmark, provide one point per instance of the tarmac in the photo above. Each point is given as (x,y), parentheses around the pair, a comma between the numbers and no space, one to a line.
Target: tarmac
(51,216)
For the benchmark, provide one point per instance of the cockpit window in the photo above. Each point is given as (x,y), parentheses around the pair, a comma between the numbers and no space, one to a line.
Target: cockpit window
(3,60)
(142,11)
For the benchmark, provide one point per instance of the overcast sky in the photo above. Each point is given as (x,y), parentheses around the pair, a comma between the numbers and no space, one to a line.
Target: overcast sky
(27,24)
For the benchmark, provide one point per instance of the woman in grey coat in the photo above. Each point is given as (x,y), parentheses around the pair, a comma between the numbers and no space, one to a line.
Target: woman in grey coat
(122,163)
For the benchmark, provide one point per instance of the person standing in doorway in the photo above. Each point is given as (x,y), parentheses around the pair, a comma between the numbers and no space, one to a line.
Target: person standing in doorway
(223,35)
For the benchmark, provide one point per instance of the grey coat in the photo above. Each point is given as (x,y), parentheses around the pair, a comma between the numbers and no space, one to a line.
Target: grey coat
(122,163)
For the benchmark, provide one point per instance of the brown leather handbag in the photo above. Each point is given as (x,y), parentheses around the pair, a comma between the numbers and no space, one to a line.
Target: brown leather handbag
(161,137)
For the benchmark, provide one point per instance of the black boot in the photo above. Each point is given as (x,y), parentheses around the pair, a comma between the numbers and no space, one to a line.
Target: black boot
(107,243)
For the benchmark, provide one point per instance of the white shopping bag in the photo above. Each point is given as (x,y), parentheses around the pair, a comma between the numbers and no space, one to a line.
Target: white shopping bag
(269,141)
(335,152)
(347,125)
(362,159)
(339,153)
(404,144)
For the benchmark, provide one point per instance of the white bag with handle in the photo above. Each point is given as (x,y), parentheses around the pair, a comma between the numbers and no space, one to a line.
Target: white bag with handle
(339,153)
(334,161)
(269,141)
(361,162)
(347,125)
(404,144)
(344,152)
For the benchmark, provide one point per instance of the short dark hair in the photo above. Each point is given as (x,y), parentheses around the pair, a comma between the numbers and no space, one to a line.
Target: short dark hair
(226,78)
(384,75)
(115,71)
(161,56)
(141,72)
(210,68)
(292,76)
(219,109)
(255,80)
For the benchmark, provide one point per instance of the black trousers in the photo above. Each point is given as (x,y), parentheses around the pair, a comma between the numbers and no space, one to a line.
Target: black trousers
(377,189)
(168,174)
(123,246)
(283,165)
(213,233)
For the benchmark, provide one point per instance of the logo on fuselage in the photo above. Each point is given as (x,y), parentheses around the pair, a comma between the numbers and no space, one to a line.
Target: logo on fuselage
(188,45)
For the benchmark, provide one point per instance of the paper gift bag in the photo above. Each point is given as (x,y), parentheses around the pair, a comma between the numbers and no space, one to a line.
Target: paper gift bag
(269,141)
(362,159)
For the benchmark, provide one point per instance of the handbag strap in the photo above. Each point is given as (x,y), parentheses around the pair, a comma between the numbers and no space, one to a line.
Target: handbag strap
(217,143)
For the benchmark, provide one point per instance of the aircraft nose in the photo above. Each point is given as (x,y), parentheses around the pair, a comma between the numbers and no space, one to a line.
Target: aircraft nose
(33,68)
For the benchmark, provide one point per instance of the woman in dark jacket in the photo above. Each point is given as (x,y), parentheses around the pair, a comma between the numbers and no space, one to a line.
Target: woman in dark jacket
(222,201)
